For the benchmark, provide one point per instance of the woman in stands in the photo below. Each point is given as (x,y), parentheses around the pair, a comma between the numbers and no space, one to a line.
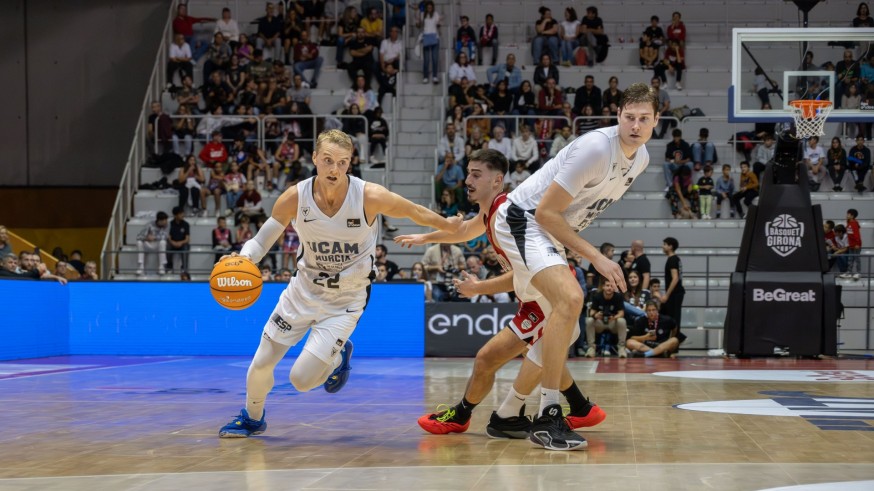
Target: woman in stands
(635,297)
(188,183)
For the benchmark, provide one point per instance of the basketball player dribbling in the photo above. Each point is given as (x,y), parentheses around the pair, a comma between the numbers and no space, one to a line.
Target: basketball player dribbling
(334,215)
(485,184)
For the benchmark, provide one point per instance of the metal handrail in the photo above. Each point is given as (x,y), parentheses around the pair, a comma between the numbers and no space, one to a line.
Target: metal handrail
(130,178)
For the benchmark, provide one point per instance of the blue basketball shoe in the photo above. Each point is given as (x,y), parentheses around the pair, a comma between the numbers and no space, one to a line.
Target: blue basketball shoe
(243,426)
(340,375)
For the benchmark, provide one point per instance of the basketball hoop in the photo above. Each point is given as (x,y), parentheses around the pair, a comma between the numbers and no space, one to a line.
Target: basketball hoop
(810,116)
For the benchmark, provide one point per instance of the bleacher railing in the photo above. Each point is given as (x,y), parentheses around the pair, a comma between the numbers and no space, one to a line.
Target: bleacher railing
(138,153)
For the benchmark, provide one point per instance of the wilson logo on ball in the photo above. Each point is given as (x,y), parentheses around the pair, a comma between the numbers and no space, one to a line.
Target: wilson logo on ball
(232,281)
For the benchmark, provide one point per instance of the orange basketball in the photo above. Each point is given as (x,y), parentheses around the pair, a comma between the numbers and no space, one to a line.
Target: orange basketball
(235,283)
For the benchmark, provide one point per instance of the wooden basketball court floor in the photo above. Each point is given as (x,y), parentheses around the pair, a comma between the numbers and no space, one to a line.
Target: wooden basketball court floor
(150,423)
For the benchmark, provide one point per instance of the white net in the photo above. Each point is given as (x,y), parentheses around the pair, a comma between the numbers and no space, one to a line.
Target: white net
(810,116)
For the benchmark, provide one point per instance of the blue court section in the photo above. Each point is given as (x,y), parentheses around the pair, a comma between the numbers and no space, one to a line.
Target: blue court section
(142,318)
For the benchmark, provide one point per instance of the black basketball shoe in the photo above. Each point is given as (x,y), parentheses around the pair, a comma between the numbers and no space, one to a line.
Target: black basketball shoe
(551,432)
(517,427)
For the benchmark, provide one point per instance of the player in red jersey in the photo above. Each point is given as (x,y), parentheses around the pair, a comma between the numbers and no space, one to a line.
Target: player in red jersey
(485,183)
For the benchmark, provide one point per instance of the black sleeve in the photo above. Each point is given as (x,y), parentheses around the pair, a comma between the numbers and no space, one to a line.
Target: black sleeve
(391,270)
(639,327)
(643,266)
(618,302)
(597,302)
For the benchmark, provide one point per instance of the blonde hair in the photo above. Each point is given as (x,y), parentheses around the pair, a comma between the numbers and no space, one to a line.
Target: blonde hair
(336,137)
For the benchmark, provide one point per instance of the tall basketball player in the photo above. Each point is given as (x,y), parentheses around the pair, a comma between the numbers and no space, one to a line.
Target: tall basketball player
(485,184)
(334,216)
(545,214)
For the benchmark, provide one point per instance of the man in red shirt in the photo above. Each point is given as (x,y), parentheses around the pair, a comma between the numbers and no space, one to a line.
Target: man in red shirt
(306,56)
(854,241)
(184,24)
(214,153)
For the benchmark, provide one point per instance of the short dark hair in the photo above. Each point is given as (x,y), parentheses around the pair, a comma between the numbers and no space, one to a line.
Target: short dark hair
(381,246)
(708,168)
(840,228)
(677,132)
(589,77)
(161,215)
(744,163)
(854,212)
(651,303)
(830,223)
(592,9)
(726,166)
(178,209)
(493,159)
(640,92)
(605,246)
(704,132)
(463,17)
(654,18)
(672,242)
(654,281)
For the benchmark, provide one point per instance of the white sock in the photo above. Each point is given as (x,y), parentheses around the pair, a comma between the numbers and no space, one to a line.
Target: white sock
(548,397)
(512,404)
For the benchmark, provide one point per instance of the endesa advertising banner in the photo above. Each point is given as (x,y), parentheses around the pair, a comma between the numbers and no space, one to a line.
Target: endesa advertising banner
(462,328)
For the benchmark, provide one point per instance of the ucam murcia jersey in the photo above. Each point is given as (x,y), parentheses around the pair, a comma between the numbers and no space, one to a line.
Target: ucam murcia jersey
(336,253)
(577,168)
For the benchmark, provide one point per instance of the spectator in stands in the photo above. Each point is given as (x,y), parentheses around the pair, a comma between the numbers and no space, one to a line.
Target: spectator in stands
(525,150)
(390,50)
(475,267)
(285,155)
(242,233)
(635,259)
(362,57)
(703,151)
(507,72)
(218,56)
(476,140)
(569,30)
(184,24)
(828,228)
(259,69)
(451,143)
(561,140)
(488,37)
(270,32)
(490,261)
(300,92)
(179,59)
(234,182)
(61,269)
(291,30)
(75,261)
(90,271)
(217,93)
(228,28)
(457,118)
(607,313)
(655,33)
(664,108)
(502,104)
(443,262)
(465,39)
(547,36)
(430,23)
(678,154)
(588,94)
(648,52)
(654,334)
(461,69)
(306,57)
(749,188)
(840,255)
(188,95)
(683,194)
(178,239)
(5,246)
(673,62)
(418,273)
(636,297)
(249,204)
(361,95)
(544,71)
(382,260)
(38,272)
(459,96)
(672,300)
(160,128)
(854,242)
(188,184)
(814,159)
(724,190)
(378,134)
(153,238)
(677,30)
(183,131)
(550,99)
(517,177)
(501,143)
(612,97)
(221,238)
(863,19)
(847,74)
(213,153)
(705,192)
(764,154)
(215,186)
(450,177)
(836,164)
(245,51)
(346,32)
(592,34)
(374,30)
(859,162)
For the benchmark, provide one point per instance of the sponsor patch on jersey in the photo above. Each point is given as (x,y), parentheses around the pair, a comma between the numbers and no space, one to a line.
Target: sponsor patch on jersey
(305,211)
(629,181)
(280,323)
(353,222)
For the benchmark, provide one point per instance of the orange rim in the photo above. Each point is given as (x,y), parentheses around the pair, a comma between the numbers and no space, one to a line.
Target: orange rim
(809,108)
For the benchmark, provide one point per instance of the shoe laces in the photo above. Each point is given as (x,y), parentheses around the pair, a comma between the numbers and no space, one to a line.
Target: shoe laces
(444,415)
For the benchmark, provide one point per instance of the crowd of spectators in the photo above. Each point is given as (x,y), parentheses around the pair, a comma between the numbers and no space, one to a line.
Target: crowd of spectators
(30,264)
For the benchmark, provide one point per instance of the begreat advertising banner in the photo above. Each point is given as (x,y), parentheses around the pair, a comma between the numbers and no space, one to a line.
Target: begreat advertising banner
(462,328)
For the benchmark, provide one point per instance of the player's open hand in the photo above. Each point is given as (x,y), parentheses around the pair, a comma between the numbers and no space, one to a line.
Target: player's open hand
(466,286)
(454,223)
(610,270)
(228,256)
(410,240)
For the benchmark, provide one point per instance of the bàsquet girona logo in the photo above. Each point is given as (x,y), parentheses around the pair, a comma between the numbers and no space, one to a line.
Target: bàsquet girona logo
(783,234)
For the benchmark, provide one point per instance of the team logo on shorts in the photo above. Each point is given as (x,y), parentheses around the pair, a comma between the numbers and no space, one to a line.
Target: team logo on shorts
(280,323)
(353,222)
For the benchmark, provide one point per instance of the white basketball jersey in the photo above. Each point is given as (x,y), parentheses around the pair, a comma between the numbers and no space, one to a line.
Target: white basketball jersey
(576,167)
(338,252)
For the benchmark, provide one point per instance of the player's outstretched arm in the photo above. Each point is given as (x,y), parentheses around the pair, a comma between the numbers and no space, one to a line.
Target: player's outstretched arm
(470,286)
(378,199)
(283,211)
(549,215)
(469,230)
